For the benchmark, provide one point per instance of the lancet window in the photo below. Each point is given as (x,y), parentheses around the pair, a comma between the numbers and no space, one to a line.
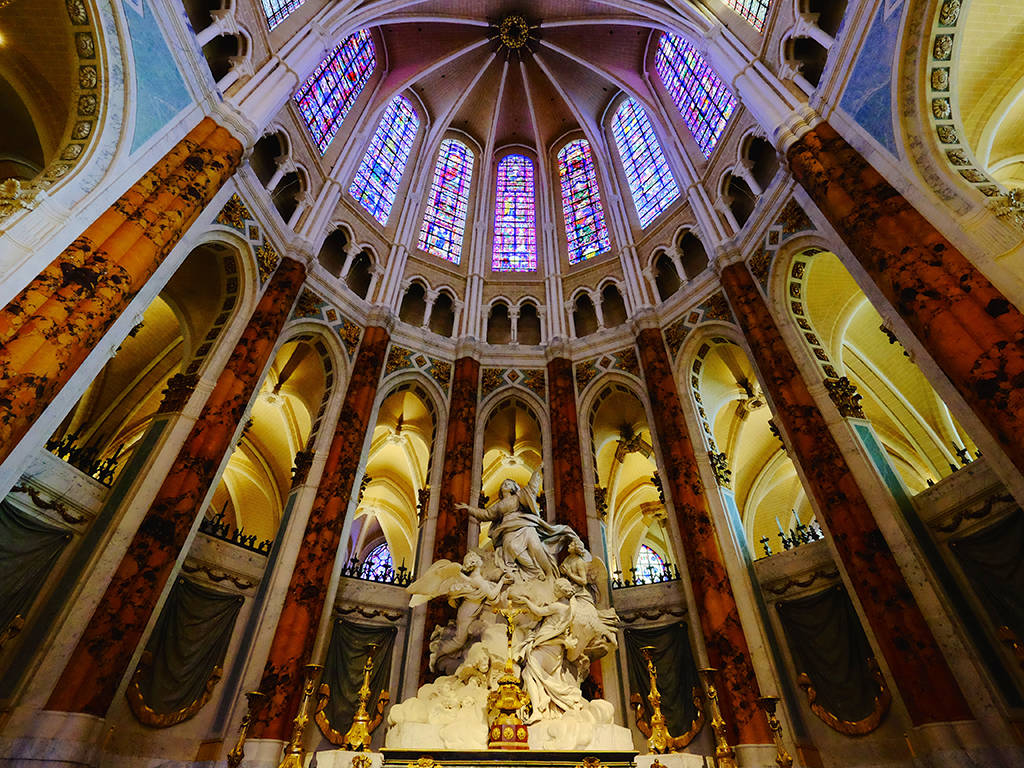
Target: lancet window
(378,565)
(650,566)
(515,220)
(444,221)
(585,229)
(703,100)
(329,93)
(650,180)
(277,11)
(376,182)
(754,11)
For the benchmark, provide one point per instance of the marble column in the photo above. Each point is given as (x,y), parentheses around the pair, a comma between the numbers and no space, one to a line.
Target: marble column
(924,679)
(297,627)
(570,503)
(99,661)
(49,328)
(717,611)
(451,537)
(970,329)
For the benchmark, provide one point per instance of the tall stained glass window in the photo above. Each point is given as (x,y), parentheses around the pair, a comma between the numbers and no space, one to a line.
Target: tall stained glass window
(515,218)
(329,93)
(754,11)
(380,172)
(277,10)
(650,181)
(444,221)
(700,95)
(585,229)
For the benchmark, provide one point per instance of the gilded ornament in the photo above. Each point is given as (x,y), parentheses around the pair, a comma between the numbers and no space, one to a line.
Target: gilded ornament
(866,725)
(234,214)
(294,751)
(768,705)
(844,394)
(267,260)
(720,466)
(794,219)
(145,714)
(947,134)
(940,79)
(973,175)
(949,13)
(85,45)
(77,12)
(349,333)
(535,380)
(675,335)
(941,109)
(761,264)
(361,761)
(490,380)
(659,740)
(87,104)
(308,305)
(506,729)
(357,739)
(87,77)
(441,372)
(943,47)
(255,700)
(958,157)
(725,756)
(1009,207)
(717,308)
(425,762)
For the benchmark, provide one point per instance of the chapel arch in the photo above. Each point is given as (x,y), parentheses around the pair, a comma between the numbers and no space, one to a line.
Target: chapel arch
(846,337)
(392,498)
(513,445)
(625,469)
(173,340)
(748,459)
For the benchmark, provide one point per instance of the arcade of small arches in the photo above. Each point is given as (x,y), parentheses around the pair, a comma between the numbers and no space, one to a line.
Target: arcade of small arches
(596,252)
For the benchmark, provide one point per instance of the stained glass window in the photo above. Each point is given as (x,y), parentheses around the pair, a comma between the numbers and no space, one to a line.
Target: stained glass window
(444,221)
(754,11)
(329,93)
(378,565)
(278,10)
(650,181)
(380,172)
(650,567)
(585,229)
(515,231)
(700,95)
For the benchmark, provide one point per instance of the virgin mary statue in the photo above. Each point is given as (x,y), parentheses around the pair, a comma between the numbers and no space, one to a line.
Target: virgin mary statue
(521,537)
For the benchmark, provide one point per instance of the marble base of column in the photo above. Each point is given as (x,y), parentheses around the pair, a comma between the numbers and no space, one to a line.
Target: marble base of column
(960,743)
(52,740)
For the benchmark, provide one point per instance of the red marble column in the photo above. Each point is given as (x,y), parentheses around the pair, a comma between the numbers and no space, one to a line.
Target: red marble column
(925,681)
(101,657)
(570,503)
(716,605)
(451,531)
(968,327)
(49,328)
(296,630)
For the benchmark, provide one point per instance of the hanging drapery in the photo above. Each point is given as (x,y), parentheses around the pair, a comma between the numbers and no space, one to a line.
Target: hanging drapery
(343,674)
(677,673)
(29,548)
(183,658)
(834,661)
(993,561)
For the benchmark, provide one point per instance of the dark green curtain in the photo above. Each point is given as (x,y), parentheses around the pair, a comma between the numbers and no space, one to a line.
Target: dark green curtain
(190,638)
(29,548)
(343,668)
(677,672)
(828,643)
(993,561)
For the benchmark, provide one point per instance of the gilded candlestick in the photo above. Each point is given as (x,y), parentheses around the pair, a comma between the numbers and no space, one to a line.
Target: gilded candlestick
(295,750)
(725,755)
(255,700)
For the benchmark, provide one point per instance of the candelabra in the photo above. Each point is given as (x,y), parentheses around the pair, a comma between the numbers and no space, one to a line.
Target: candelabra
(295,750)
(725,756)
(768,704)
(506,729)
(659,739)
(358,737)
(255,700)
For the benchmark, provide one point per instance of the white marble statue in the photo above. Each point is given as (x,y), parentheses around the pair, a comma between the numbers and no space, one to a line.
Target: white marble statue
(546,573)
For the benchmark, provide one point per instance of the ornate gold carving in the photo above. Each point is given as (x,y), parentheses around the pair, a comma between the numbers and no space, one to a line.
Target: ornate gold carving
(850,727)
(14,197)
(949,13)
(844,394)
(426,761)
(659,740)
(255,700)
(768,705)
(358,737)
(1009,207)
(725,756)
(294,751)
(234,214)
(145,714)
(720,466)
(267,259)
(361,761)
(589,762)
(505,729)
(308,305)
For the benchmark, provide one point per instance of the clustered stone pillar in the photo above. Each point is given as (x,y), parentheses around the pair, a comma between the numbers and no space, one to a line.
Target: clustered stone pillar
(716,605)
(570,503)
(451,531)
(49,328)
(922,675)
(303,608)
(98,663)
(968,327)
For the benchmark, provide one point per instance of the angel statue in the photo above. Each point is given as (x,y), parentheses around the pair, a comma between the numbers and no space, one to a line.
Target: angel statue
(524,542)
(464,583)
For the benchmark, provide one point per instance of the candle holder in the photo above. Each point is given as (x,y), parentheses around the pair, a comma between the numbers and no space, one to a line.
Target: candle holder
(295,750)
(768,705)
(725,755)
(255,700)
